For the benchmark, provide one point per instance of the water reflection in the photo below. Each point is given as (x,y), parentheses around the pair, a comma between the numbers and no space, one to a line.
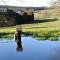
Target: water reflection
(43,35)
(19,34)
(33,50)
(18,41)
(55,55)
(19,46)
(51,38)
(11,36)
(6,36)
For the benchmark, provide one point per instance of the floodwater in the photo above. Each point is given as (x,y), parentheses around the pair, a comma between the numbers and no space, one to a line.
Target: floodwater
(29,49)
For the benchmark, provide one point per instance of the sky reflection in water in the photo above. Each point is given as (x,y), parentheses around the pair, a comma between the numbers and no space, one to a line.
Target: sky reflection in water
(32,49)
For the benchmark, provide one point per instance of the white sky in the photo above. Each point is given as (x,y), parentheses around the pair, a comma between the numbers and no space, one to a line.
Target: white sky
(33,3)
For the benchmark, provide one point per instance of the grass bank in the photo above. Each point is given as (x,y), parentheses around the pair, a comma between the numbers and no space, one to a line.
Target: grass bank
(7,30)
(45,29)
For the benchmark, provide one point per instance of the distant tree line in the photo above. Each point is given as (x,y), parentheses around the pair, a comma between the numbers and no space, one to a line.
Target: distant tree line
(10,18)
(6,19)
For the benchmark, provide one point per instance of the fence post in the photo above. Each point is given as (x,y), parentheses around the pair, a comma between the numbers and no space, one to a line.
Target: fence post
(18,33)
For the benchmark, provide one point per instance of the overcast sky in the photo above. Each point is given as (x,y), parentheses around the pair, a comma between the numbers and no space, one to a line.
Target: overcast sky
(33,3)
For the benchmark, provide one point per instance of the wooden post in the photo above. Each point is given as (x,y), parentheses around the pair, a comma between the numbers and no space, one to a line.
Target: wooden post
(18,37)
(18,32)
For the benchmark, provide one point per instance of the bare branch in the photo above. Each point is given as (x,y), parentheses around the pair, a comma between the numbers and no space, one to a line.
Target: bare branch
(5,2)
(20,1)
(55,3)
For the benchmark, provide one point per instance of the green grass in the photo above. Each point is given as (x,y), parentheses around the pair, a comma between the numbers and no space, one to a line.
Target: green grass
(7,30)
(47,29)
(47,26)
(44,31)
(38,27)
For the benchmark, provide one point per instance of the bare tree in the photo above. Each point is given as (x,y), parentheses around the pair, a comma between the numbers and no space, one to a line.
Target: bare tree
(7,1)
(55,3)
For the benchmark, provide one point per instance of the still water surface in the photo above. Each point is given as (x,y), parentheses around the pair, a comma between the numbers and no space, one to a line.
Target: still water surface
(30,49)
